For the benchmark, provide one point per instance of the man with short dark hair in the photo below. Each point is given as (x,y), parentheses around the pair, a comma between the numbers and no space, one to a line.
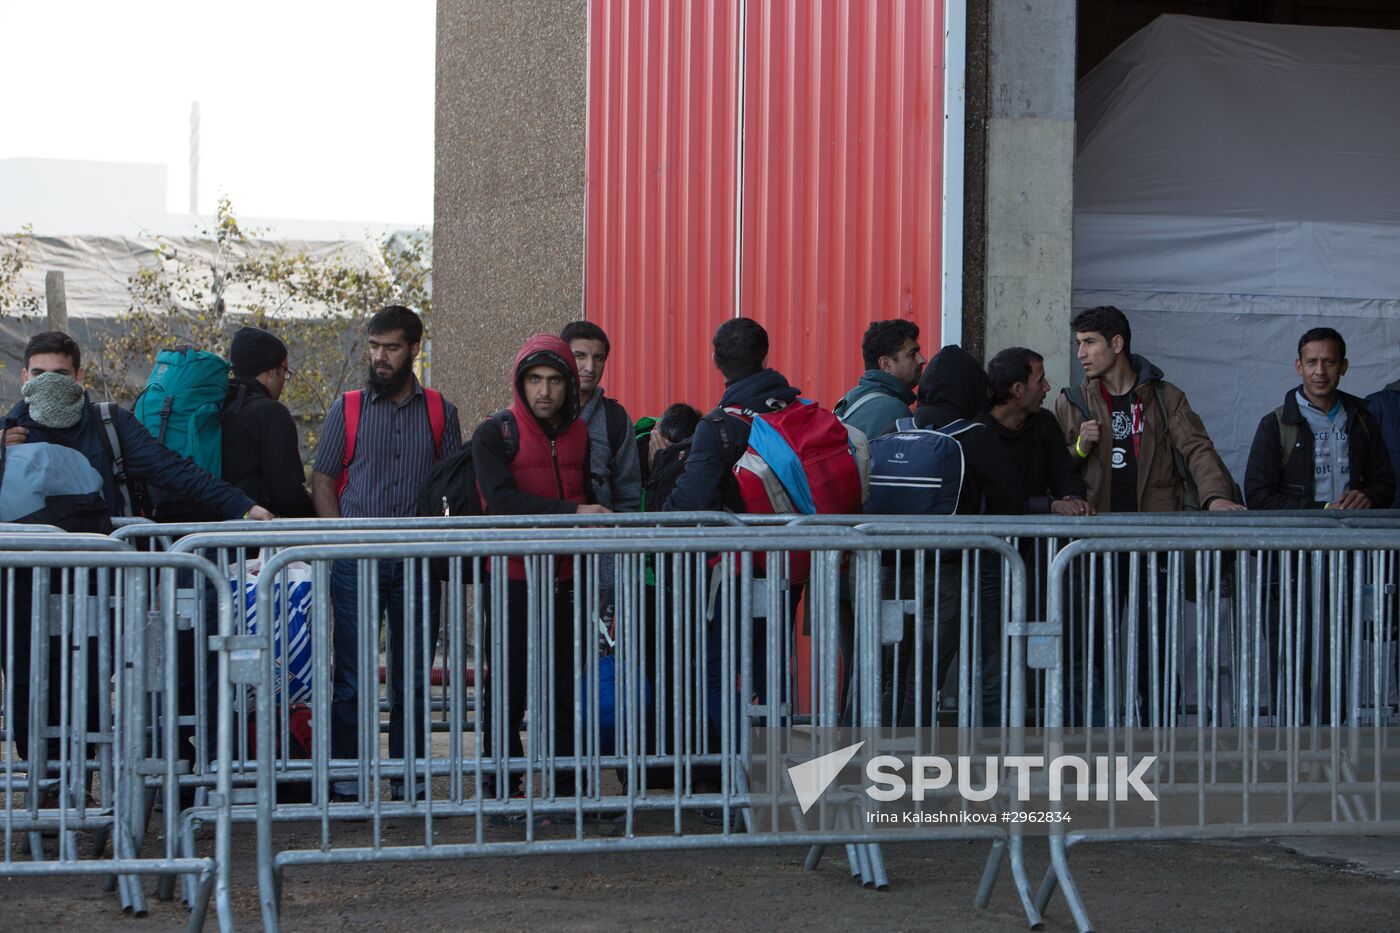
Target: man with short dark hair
(1125,420)
(613,463)
(740,353)
(1335,456)
(893,364)
(1321,449)
(56,410)
(1030,436)
(1122,426)
(377,447)
(261,453)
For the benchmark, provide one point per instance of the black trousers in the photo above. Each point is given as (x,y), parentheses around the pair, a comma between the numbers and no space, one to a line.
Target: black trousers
(515,645)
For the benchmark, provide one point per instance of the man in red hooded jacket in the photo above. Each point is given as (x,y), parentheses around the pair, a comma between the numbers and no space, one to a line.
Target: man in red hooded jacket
(543,470)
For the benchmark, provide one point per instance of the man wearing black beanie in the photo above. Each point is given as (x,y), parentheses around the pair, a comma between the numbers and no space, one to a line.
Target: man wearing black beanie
(261,454)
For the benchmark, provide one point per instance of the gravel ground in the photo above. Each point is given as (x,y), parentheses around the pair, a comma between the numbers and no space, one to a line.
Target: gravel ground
(1151,886)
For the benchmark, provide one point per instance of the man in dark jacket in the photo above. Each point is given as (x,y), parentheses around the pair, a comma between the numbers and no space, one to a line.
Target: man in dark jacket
(741,355)
(1336,457)
(1030,435)
(1385,405)
(708,484)
(546,473)
(56,410)
(663,453)
(893,364)
(1321,449)
(954,387)
(261,454)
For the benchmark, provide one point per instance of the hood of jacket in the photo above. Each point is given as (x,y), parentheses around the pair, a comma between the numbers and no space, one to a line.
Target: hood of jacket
(877,380)
(953,386)
(765,390)
(548,350)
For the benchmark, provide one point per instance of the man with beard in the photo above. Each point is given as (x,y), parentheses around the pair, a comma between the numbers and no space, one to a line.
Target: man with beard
(377,447)
(546,473)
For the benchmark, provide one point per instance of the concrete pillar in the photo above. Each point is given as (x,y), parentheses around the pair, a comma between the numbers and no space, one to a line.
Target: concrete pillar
(1030,179)
(509,188)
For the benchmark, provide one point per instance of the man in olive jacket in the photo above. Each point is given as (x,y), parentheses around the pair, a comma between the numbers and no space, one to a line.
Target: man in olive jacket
(1116,431)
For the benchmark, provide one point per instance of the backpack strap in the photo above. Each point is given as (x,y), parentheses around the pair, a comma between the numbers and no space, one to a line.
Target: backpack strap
(957,426)
(844,411)
(437,418)
(618,424)
(906,424)
(510,433)
(165,418)
(730,451)
(353,402)
(114,449)
(1287,436)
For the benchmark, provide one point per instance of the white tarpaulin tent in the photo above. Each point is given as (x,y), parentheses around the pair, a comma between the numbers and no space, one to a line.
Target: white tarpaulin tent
(1234,185)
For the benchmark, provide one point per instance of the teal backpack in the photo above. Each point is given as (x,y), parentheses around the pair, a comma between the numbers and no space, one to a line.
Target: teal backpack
(183,404)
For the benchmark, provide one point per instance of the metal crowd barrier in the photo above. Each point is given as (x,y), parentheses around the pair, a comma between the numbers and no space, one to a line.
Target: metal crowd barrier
(678,741)
(1302,741)
(82,648)
(1205,628)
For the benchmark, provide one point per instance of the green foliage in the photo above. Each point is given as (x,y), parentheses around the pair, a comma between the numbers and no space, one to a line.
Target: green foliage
(16,298)
(317,304)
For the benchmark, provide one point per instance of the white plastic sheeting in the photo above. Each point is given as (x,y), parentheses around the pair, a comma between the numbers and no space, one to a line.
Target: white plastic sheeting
(1236,184)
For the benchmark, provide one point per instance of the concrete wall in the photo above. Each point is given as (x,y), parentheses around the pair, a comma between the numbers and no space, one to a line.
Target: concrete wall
(509,188)
(1030,180)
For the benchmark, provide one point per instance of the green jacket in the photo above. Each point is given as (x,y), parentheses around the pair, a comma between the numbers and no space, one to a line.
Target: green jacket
(877,401)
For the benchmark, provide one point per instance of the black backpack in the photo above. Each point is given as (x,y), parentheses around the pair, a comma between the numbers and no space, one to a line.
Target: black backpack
(450,488)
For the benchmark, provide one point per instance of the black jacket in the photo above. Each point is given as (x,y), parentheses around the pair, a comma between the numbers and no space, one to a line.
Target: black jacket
(1270,485)
(955,386)
(1037,454)
(706,483)
(667,467)
(262,456)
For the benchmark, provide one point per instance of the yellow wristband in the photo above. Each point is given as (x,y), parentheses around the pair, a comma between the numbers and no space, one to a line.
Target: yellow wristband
(1326,506)
(1079,450)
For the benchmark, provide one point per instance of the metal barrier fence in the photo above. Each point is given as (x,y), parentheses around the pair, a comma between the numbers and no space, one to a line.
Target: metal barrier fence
(1224,629)
(81,652)
(1296,744)
(678,738)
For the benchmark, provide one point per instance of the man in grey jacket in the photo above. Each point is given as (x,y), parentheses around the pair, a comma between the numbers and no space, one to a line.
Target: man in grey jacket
(893,364)
(614,465)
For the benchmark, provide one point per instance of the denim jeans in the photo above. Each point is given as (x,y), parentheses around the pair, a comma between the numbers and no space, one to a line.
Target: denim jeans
(345,700)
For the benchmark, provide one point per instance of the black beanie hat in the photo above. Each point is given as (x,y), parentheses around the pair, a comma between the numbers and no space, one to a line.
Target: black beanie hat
(254,351)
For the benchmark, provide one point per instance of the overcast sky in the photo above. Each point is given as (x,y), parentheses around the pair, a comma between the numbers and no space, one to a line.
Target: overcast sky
(309,109)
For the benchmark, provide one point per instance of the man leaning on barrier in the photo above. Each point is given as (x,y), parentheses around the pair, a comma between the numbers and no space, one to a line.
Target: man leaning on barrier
(377,447)
(1140,448)
(532,459)
(56,410)
(1321,449)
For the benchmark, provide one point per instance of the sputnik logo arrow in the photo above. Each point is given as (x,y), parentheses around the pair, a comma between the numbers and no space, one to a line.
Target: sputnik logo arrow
(811,778)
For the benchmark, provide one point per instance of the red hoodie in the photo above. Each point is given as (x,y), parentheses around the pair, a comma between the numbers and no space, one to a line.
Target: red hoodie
(549,472)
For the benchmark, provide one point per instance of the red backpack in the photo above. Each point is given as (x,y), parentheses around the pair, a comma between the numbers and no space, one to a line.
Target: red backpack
(800,459)
(354,404)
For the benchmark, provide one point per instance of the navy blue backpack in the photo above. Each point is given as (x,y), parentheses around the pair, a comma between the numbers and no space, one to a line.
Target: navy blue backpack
(917,471)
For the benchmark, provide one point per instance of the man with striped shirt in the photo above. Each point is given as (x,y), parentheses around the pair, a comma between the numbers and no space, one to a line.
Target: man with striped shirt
(376,449)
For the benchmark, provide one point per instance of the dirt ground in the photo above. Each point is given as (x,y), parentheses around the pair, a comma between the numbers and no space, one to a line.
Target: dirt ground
(1146,886)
